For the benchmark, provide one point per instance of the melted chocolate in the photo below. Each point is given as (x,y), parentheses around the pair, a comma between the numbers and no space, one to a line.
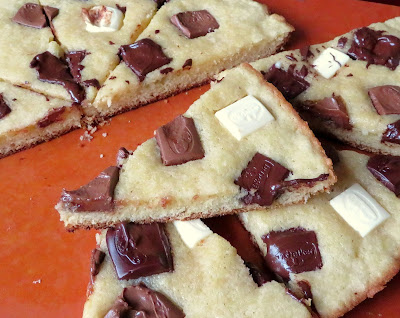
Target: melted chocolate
(292,251)
(143,57)
(139,250)
(97,195)
(296,183)
(386,169)
(386,99)
(232,230)
(74,60)
(290,83)
(392,133)
(188,64)
(4,108)
(31,15)
(179,142)
(51,117)
(262,178)
(194,24)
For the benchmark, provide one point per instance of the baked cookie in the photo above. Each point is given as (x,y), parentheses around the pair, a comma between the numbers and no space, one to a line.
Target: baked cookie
(185,45)
(239,147)
(358,249)
(348,87)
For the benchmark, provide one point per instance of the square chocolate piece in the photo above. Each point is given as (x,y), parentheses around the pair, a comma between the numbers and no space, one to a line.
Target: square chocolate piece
(194,24)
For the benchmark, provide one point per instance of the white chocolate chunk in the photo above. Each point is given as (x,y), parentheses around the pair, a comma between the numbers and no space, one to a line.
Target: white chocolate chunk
(192,231)
(244,117)
(329,62)
(102,19)
(359,209)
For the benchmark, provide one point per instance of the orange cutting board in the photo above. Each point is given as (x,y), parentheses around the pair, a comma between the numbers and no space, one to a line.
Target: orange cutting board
(44,270)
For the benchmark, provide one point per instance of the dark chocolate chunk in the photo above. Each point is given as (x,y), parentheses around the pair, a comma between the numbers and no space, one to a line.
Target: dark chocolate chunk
(292,251)
(179,142)
(232,230)
(97,195)
(54,70)
(305,53)
(52,116)
(262,178)
(166,70)
(92,82)
(392,133)
(301,182)
(188,63)
(194,24)
(290,83)
(139,250)
(342,42)
(96,260)
(74,60)
(139,301)
(4,108)
(143,57)
(386,99)
(386,169)
(31,15)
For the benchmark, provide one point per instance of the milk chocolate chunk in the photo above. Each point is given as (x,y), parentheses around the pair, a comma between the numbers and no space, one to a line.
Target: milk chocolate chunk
(179,142)
(386,169)
(74,60)
(4,108)
(232,230)
(96,260)
(122,154)
(31,15)
(290,83)
(139,250)
(51,117)
(292,251)
(142,302)
(143,57)
(392,133)
(262,178)
(386,99)
(194,24)
(97,195)
(51,13)
(54,70)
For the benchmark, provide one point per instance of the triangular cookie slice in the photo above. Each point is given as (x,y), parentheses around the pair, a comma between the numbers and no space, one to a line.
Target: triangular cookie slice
(241,146)
(348,88)
(185,45)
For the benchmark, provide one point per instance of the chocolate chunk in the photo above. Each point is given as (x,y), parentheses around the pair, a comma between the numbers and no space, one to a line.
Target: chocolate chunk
(143,57)
(330,109)
(92,82)
(342,42)
(290,83)
(392,133)
(160,2)
(139,250)
(292,251)
(96,260)
(305,289)
(330,151)
(97,195)
(31,15)
(194,24)
(386,169)
(166,70)
(141,302)
(179,142)
(53,70)
(120,8)
(296,183)
(122,154)
(51,13)
(262,178)
(187,64)
(74,60)
(4,108)
(291,57)
(386,99)
(232,230)
(51,117)
(305,53)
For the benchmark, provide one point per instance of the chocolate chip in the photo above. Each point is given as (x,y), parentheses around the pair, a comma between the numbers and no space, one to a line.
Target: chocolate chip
(74,60)
(4,108)
(292,251)
(392,133)
(290,83)
(386,169)
(194,24)
(97,195)
(92,82)
(262,178)
(188,64)
(53,70)
(139,250)
(386,99)
(342,42)
(179,142)
(52,116)
(31,15)
(157,31)
(142,302)
(143,57)
(96,260)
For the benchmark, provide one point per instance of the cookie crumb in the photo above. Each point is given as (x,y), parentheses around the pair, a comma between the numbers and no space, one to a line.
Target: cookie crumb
(104,135)
(101,155)
(86,136)
(38,281)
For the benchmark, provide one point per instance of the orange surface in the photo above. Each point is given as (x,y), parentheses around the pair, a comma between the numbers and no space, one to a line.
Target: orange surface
(44,270)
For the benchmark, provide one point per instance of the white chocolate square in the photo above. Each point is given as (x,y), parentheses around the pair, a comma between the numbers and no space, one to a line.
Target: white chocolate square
(192,231)
(359,209)
(244,116)
(329,62)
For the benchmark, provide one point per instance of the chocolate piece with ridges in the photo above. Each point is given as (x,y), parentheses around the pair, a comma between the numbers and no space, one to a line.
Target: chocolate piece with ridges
(139,250)
(386,99)
(262,178)
(31,15)
(74,60)
(194,24)
(386,169)
(51,117)
(292,251)
(392,133)
(143,57)
(179,142)
(4,108)
(97,195)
